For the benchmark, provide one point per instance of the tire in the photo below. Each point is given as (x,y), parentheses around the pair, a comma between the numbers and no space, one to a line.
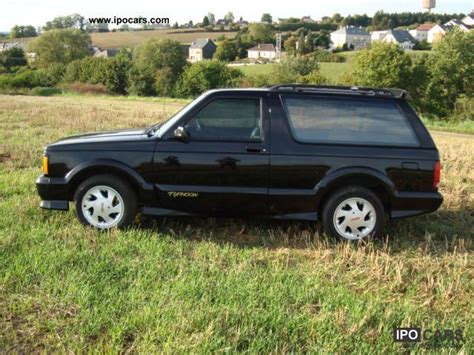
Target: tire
(105,201)
(353,213)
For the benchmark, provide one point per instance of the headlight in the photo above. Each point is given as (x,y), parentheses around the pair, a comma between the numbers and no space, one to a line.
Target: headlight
(45,165)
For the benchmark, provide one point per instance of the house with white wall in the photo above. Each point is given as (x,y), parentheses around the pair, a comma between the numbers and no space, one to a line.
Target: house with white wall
(354,37)
(402,38)
(262,50)
(421,32)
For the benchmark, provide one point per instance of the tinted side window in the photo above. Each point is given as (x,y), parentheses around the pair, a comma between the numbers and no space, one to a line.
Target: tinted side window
(232,119)
(348,120)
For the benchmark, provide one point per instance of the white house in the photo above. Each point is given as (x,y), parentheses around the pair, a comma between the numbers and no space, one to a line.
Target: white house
(377,35)
(262,50)
(355,37)
(439,31)
(468,20)
(421,32)
(402,38)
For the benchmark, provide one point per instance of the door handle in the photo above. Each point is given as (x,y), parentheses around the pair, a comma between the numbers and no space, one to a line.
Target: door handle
(251,149)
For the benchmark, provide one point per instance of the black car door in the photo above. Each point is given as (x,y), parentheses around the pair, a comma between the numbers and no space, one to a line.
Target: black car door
(222,166)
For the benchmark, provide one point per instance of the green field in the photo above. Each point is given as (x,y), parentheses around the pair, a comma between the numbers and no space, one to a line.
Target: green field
(193,285)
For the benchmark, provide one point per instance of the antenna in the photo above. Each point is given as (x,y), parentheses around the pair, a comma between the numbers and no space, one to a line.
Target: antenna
(278,46)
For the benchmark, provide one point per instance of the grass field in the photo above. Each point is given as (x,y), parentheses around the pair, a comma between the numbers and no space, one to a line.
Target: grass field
(201,285)
(134,38)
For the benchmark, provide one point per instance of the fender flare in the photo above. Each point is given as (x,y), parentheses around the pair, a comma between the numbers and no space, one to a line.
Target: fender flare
(113,165)
(326,183)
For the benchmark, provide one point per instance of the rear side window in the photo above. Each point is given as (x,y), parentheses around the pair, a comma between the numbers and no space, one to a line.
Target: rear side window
(348,121)
(227,119)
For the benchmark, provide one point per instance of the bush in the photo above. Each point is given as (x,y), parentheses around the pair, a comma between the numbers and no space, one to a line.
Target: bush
(45,91)
(294,69)
(207,75)
(325,56)
(85,88)
(383,65)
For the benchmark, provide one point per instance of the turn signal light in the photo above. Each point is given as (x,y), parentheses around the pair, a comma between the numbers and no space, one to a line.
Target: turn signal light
(45,165)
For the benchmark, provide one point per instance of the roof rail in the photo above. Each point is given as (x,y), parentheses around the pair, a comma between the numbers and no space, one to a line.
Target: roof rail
(350,90)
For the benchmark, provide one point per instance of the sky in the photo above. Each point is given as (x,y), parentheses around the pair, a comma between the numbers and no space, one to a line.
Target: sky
(37,12)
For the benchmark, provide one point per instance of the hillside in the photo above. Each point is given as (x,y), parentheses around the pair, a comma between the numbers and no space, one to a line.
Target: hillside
(133,38)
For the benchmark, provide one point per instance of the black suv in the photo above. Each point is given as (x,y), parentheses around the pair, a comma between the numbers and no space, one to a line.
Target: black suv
(349,156)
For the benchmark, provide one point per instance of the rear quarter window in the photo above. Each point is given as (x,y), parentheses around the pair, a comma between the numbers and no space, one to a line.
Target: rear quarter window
(348,121)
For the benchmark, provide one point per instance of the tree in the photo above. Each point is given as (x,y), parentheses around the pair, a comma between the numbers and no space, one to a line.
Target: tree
(206,75)
(266,17)
(229,17)
(290,45)
(383,65)
(205,21)
(212,18)
(451,72)
(260,32)
(226,51)
(63,22)
(322,39)
(117,71)
(60,46)
(23,31)
(11,58)
(156,58)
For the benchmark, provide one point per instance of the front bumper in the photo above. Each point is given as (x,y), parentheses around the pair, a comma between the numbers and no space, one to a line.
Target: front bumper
(54,193)
(407,204)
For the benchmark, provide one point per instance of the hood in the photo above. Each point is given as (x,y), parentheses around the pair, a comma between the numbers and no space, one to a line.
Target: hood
(100,138)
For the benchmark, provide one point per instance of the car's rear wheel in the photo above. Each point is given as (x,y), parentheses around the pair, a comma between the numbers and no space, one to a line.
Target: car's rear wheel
(105,201)
(353,213)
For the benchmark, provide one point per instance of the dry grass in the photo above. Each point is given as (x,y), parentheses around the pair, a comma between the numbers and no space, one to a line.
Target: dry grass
(134,38)
(197,285)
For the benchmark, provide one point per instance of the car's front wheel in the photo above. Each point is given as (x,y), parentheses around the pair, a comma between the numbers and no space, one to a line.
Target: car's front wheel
(105,201)
(353,213)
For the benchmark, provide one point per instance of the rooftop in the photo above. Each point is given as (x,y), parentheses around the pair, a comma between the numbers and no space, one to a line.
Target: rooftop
(200,42)
(352,30)
(265,47)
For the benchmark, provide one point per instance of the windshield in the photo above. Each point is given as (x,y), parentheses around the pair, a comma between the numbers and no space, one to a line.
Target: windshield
(165,126)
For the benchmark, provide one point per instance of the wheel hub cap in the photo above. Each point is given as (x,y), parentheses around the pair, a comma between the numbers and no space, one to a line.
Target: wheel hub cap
(354,218)
(102,207)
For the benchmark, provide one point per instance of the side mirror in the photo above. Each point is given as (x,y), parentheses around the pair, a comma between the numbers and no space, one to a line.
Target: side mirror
(181,134)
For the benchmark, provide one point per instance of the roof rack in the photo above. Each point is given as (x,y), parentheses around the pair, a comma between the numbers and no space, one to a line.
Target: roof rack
(348,90)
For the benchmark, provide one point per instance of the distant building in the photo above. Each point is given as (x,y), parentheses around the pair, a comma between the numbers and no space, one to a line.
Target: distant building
(242,24)
(468,20)
(262,50)
(421,32)
(200,49)
(354,37)
(377,35)
(439,31)
(14,44)
(402,38)
(106,53)
(307,19)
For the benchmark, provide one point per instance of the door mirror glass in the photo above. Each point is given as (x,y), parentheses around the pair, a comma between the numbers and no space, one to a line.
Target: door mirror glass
(181,134)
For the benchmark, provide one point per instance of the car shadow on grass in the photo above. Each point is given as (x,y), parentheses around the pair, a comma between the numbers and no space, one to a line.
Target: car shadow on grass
(436,233)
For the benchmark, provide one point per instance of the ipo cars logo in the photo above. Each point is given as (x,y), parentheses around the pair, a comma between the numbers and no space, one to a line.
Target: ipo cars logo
(429,337)
(407,334)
